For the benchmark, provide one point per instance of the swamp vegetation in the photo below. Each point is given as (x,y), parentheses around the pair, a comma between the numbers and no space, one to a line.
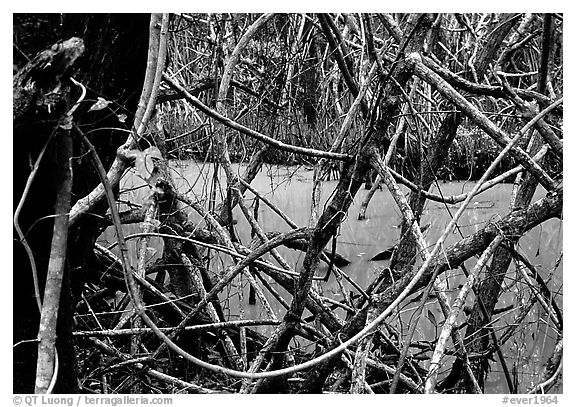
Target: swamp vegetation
(288,203)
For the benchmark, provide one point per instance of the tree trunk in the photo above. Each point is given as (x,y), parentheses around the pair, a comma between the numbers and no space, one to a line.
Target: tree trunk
(112,68)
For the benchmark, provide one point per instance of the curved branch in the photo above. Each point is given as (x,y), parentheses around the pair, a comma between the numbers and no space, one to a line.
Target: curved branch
(310,152)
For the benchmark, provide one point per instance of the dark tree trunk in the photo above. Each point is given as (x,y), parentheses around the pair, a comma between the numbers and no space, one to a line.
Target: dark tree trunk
(112,67)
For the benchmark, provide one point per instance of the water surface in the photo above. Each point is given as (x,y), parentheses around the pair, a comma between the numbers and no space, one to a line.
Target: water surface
(359,240)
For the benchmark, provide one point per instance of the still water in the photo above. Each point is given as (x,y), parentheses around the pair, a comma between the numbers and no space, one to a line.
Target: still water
(290,189)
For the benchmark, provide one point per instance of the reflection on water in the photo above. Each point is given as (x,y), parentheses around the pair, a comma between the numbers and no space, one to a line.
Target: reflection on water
(359,240)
